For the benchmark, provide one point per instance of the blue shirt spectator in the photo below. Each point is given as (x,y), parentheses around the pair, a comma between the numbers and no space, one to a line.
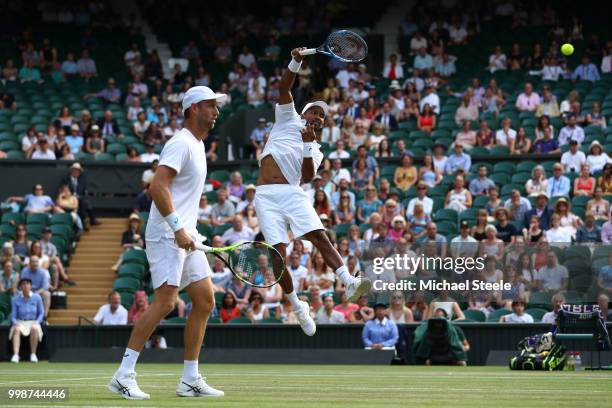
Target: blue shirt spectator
(37,275)
(558,184)
(422,60)
(459,160)
(586,71)
(69,67)
(545,146)
(379,332)
(27,308)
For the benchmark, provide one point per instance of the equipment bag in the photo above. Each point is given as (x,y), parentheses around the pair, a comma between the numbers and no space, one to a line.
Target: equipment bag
(539,352)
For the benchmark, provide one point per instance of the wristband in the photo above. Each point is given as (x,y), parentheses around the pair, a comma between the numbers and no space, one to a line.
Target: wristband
(174,221)
(307,150)
(294,66)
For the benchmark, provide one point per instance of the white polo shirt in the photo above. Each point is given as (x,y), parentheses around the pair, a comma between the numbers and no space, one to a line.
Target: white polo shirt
(106,317)
(185,154)
(286,146)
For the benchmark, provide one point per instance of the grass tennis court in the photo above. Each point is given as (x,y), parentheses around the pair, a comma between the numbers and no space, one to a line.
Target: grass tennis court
(311,385)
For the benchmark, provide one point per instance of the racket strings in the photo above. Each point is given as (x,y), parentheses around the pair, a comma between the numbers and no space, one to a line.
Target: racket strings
(348,46)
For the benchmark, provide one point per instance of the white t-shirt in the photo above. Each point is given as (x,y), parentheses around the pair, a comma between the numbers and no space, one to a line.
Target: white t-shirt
(185,154)
(514,318)
(286,146)
(427,205)
(106,317)
(415,43)
(551,278)
(297,274)
(549,317)
(46,155)
(440,164)
(339,155)
(573,162)
(149,157)
(503,138)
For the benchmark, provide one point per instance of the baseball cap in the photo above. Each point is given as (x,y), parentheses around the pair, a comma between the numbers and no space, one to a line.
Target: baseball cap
(197,94)
(573,142)
(465,224)
(95,128)
(76,165)
(250,187)
(317,177)
(261,120)
(323,217)
(46,229)
(74,127)
(320,104)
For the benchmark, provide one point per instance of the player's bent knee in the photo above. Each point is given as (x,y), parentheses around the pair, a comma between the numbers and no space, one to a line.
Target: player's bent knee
(203,306)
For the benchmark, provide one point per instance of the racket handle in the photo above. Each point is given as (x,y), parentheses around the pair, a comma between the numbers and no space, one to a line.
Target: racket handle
(201,247)
(308,51)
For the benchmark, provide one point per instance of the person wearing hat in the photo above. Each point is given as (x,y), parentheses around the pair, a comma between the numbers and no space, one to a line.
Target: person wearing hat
(77,182)
(558,184)
(149,155)
(170,232)
(597,158)
(256,140)
(464,245)
(380,333)
(291,157)
(74,139)
(132,237)
(27,315)
(573,159)
(249,198)
(42,150)
(571,131)
(397,228)
(430,98)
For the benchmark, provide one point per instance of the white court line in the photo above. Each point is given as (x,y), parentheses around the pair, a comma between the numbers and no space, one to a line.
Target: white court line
(77,379)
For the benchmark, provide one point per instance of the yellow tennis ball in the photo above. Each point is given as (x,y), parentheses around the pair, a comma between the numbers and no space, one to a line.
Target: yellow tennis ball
(567,49)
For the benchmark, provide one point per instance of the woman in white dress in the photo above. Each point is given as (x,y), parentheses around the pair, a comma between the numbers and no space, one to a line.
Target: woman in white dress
(459,198)
(537,183)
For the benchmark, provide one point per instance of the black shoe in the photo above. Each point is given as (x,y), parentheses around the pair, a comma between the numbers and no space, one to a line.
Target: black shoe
(96,222)
(70,283)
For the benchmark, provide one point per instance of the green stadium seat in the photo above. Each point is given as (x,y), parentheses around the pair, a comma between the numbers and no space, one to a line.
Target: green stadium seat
(63,218)
(115,148)
(126,285)
(342,229)
(136,256)
(219,230)
(536,313)
(495,315)
(475,315)
(240,320)
(8,230)
(104,157)
(480,201)
(271,320)
(504,167)
(38,218)
(62,230)
(540,300)
(220,175)
(16,218)
(175,320)
(131,270)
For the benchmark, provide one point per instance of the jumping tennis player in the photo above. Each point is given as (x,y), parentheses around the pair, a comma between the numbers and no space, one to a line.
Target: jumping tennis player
(174,263)
(291,157)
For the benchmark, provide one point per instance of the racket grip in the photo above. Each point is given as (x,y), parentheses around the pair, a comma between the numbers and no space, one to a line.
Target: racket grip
(201,247)
(308,51)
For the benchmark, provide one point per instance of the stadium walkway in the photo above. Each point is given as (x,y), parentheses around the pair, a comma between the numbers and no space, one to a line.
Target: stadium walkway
(90,267)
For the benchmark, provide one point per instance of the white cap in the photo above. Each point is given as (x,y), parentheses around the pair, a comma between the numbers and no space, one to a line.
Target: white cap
(320,104)
(198,94)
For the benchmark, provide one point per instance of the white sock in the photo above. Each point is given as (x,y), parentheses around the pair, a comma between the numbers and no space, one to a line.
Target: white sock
(128,363)
(293,298)
(344,274)
(190,369)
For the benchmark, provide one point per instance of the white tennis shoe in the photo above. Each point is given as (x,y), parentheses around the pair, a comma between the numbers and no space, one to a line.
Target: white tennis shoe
(196,388)
(303,315)
(356,287)
(127,387)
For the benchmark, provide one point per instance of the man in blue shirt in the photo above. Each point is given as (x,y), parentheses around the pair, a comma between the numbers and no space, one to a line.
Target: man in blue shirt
(558,184)
(26,317)
(256,140)
(547,144)
(482,184)
(380,333)
(586,71)
(459,160)
(39,278)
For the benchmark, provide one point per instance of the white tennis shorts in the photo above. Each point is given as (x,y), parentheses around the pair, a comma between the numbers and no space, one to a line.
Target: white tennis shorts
(279,205)
(172,265)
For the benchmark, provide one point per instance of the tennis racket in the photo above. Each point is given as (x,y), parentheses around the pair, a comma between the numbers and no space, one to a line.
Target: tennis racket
(343,45)
(255,263)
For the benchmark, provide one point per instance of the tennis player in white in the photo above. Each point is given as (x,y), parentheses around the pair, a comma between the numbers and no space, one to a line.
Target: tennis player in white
(291,157)
(174,263)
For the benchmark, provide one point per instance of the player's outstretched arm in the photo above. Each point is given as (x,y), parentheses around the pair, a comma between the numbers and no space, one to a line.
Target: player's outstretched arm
(286,82)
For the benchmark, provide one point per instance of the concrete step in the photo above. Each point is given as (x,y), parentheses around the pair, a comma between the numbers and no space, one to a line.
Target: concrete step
(89,312)
(86,291)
